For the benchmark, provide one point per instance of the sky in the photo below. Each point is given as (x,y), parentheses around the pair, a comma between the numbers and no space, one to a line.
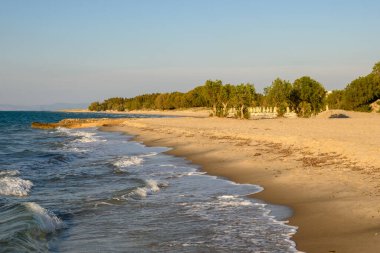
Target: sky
(78,51)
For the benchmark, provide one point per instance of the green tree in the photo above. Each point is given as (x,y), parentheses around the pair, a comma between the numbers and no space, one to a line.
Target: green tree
(95,106)
(243,97)
(162,101)
(359,94)
(363,91)
(260,100)
(176,100)
(196,98)
(225,97)
(308,96)
(278,94)
(335,99)
(376,69)
(211,93)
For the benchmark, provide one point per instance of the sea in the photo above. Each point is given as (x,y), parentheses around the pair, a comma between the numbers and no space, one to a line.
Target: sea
(85,190)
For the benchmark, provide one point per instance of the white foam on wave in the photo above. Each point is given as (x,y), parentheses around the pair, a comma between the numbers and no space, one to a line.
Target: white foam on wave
(14,186)
(47,221)
(128,161)
(102,203)
(76,150)
(227,197)
(191,173)
(85,137)
(9,173)
(140,192)
(149,154)
(195,173)
(63,130)
(167,165)
(233,201)
(151,186)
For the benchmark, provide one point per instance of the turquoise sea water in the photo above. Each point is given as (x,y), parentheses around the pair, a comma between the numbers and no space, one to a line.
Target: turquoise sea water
(90,191)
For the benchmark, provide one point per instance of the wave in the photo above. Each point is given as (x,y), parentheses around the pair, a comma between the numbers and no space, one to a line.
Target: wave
(249,224)
(83,137)
(128,161)
(151,186)
(56,158)
(24,227)
(140,192)
(149,154)
(75,150)
(45,220)
(196,173)
(14,186)
(86,137)
(103,203)
(179,175)
(233,201)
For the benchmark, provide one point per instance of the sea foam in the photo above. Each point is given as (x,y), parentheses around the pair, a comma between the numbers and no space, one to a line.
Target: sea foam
(233,201)
(151,186)
(9,173)
(14,186)
(84,137)
(128,161)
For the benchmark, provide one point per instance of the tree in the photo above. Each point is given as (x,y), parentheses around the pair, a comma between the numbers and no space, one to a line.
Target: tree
(160,102)
(376,69)
(376,80)
(115,104)
(211,93)
(196,98)
(278,94)
(335,99)
(95,106)
(259,100)
(225,97)
(308,96)
(243,97)
(361,92)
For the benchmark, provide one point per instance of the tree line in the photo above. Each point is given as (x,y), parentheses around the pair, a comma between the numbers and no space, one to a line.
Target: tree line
(305,96)
(359,94)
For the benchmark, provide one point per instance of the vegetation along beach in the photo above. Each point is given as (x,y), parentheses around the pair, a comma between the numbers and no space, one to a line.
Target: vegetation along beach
(189,126)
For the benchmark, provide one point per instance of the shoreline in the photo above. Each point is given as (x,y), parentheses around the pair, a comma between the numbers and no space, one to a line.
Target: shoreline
(334,208)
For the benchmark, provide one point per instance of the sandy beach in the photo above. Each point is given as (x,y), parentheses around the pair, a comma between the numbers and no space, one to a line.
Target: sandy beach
(327,170)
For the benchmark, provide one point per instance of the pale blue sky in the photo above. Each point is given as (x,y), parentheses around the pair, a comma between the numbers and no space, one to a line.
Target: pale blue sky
(81,51)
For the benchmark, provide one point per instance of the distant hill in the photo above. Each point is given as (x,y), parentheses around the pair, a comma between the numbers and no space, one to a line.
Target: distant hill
(51,107)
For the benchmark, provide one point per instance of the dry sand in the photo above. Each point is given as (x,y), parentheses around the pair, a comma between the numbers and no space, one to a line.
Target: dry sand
(326,170)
